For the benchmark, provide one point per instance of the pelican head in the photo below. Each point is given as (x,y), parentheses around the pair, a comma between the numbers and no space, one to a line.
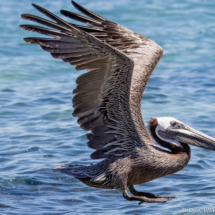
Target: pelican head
(171,133)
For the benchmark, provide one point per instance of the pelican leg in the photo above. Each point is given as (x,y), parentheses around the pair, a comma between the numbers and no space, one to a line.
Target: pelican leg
(143,199)
(149,195)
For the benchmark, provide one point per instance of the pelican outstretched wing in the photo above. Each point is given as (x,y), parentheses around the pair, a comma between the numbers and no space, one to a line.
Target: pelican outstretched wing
(102,96)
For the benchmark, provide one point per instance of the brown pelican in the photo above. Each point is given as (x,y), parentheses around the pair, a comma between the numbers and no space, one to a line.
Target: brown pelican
(107,102)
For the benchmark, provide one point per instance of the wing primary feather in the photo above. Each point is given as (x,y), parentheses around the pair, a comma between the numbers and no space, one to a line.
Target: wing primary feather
(57,34)
(78,17)
(88,29)
(52,16)
(85,59)
(78,61)
(87,12)
(68,55)
(45,22)
(30,40)
(52,43)
(61,51)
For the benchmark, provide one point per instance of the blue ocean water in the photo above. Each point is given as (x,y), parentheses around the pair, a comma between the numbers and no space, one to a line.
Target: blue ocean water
(37,131)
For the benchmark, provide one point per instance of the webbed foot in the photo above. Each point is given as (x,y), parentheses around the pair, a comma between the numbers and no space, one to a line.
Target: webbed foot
(146,197)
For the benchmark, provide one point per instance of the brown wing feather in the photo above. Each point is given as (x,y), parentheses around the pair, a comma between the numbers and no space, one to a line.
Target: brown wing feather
(107,31)
(101,100)
(144,52)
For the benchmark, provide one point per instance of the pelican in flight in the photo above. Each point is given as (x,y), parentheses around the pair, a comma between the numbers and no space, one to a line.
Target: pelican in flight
(107,103)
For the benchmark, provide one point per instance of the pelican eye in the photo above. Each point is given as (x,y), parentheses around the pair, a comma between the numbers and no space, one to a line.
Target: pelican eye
(173,123)
(176,125)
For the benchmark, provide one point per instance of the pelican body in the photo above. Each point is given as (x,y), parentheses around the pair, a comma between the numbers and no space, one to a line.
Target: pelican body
(107,102)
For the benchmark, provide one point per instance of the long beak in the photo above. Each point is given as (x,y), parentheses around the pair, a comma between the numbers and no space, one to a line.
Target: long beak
(193,137)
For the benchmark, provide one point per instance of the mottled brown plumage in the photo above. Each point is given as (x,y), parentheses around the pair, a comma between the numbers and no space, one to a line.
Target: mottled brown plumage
(107,102)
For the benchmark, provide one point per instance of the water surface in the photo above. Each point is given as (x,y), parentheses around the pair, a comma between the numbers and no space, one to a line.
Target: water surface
(37,131)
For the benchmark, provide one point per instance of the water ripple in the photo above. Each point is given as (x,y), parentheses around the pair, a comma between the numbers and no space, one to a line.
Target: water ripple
(38,132)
